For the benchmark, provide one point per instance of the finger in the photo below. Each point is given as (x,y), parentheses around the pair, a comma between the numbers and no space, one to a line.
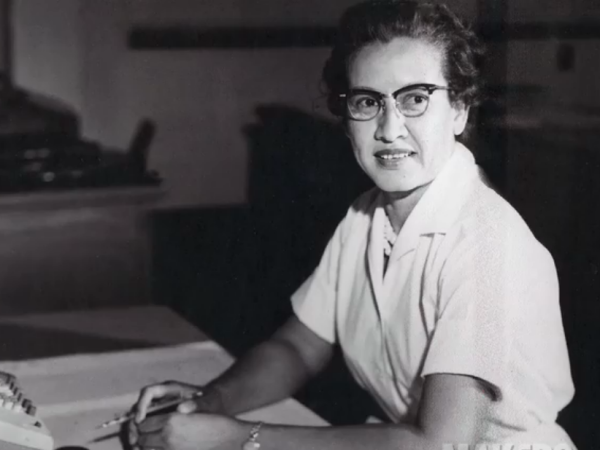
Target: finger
(147,395)
(132,434)
(187,407)
(152,424)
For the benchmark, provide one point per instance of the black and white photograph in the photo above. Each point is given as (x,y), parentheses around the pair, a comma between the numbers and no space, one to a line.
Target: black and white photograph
(299,225)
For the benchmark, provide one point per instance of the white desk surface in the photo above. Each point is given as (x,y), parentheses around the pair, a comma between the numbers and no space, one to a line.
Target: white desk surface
(75,393)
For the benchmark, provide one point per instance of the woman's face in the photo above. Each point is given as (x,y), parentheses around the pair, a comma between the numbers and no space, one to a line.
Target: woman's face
(401,154)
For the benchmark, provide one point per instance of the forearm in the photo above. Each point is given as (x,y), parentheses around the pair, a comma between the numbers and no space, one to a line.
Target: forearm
(361,437)
(268,373)
(454,410)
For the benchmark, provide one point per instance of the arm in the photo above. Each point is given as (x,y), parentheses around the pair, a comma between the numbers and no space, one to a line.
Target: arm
(453,411)
(270,372)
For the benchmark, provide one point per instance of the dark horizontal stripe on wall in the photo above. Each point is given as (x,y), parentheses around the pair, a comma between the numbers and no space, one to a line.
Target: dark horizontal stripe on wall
(540,31)
(148,38)
(181,38)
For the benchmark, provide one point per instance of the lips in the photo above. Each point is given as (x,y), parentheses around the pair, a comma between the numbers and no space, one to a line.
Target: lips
(392,155)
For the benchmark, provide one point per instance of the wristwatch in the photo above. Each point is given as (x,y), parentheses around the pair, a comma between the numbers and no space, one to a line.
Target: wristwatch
(252,441)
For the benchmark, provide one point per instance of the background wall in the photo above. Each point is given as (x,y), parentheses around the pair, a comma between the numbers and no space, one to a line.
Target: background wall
(75,51)
(49,50)
(535,61)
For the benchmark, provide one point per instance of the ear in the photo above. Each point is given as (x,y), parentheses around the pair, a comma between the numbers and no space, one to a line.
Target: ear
(461,116)
(345,127)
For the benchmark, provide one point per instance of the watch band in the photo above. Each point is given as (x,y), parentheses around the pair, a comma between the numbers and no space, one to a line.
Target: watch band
(252,441)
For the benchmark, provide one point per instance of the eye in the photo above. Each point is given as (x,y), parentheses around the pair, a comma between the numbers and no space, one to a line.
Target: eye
(413,102)
(363,101)
(415,98)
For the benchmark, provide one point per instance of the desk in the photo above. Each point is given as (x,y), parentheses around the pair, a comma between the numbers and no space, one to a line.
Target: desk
(75,249)
(74,393)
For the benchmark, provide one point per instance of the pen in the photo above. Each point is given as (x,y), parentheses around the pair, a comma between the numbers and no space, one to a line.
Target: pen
(151,409)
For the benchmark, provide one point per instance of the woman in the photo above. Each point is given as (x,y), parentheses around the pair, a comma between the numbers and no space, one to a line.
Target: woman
(443,302)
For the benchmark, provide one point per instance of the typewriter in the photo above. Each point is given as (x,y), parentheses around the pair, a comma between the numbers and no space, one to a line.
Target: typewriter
(20,428)
(41,148)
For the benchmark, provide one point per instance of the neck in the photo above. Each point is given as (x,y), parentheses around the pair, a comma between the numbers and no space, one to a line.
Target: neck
(399,205)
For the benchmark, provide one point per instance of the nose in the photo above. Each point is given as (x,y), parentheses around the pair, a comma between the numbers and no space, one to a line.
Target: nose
(391,124)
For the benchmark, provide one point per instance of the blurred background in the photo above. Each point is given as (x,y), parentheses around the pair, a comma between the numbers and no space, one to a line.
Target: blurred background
(179,152)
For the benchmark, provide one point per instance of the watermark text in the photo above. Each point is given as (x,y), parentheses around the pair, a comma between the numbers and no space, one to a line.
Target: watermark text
(506,446)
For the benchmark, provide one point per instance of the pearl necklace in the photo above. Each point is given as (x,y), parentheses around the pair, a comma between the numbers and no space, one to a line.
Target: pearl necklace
(389,236)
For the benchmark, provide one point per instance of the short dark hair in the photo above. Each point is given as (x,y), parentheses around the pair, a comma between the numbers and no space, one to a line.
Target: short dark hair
(383,20)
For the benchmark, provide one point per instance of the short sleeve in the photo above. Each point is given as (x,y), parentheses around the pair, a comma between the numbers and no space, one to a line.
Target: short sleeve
(314,301)
(478,288)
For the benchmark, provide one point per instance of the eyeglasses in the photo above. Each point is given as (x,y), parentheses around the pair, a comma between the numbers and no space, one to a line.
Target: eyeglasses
(411,101)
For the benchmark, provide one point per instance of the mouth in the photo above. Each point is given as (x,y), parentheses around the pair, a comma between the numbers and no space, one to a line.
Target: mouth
(391,156)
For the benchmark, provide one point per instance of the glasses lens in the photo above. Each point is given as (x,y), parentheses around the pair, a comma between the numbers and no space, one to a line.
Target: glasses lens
(362,106)
(413,103)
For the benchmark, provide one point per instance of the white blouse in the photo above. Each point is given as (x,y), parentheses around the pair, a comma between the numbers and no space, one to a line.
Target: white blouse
(468,290)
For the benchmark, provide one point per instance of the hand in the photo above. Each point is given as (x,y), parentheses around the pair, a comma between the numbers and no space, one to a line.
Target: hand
(190,432)
(168,388)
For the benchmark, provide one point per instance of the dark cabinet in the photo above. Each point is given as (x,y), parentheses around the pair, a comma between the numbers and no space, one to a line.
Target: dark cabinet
(74,250)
